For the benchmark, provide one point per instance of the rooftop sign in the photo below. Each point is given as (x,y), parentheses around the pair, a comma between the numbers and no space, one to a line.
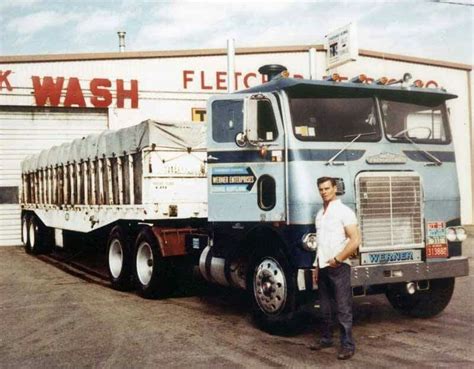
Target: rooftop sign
(341,46)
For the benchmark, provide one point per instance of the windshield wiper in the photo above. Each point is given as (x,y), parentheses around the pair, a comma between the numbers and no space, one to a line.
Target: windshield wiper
(357,136)
(431,156)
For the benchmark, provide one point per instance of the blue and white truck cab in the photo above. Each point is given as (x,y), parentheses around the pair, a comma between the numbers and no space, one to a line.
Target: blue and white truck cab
(391,151)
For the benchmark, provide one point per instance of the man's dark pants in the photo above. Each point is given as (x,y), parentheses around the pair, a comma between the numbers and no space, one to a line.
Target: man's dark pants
(335,290)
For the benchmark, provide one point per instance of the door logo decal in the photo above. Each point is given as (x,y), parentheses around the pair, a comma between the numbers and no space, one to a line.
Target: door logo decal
(236,179)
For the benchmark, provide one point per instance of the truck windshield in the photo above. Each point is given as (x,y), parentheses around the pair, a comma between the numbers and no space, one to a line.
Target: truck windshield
(407,122)
(334,119)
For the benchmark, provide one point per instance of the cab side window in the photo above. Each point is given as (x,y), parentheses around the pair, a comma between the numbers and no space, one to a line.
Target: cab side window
(267,127)
(227,120)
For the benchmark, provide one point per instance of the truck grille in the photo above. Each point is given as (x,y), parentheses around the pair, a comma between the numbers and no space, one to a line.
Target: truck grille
(390,210)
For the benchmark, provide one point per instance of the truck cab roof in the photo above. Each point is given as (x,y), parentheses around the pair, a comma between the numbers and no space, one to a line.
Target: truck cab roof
(301,88)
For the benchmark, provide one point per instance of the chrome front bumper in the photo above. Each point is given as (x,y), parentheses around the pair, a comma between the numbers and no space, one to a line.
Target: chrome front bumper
(394,273)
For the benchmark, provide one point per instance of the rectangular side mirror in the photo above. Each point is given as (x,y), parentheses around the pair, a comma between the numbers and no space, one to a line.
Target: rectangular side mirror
(251,119)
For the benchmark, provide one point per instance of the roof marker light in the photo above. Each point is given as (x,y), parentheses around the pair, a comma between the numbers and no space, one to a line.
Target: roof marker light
(361,78)
(418,83)
(333,78)
(431,83)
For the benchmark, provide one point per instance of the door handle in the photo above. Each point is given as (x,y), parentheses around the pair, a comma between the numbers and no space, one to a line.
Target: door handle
(211,158)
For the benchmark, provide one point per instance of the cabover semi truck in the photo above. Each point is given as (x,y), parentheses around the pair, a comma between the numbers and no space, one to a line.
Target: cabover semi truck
(238,198)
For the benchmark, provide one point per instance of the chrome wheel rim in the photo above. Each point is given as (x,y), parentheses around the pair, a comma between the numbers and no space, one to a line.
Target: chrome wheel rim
(144,263)
(24,231)
(270,286)
(115,258)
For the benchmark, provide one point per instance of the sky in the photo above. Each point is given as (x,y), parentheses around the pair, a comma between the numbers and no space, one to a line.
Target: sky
(441,30)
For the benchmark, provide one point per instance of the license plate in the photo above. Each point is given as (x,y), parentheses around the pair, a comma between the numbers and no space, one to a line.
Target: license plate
(390,257)
(436,233)
(436,251)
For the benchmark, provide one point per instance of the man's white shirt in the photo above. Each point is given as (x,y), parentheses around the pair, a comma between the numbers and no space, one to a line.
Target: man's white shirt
(330,234)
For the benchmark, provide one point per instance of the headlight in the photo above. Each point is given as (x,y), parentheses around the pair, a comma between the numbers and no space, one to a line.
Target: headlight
(461,234)
(309,242)
(450,234)
(456,234)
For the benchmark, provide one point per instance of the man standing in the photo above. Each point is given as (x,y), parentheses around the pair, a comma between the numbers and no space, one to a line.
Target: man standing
(338,238)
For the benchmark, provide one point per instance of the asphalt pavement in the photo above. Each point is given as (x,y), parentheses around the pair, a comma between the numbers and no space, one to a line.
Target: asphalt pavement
(53,315)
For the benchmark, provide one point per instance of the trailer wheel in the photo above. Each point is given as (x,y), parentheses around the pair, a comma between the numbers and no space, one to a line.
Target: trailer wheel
(422,304)
(24,231)
(153,274)
(39,240)
(273,291)
(119,259)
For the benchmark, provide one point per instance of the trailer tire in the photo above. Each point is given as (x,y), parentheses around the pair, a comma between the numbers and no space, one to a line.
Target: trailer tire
(119,259)
(39,240)
(273,292)
(25,222)
(422,304)
(152,273)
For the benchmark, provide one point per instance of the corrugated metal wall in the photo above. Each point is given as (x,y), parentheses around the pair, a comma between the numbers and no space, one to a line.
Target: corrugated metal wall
(27,130)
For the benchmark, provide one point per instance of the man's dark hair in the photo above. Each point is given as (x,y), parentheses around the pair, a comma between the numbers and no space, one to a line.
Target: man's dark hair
(325,179)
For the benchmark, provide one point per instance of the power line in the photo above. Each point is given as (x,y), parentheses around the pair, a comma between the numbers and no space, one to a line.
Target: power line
(452,2)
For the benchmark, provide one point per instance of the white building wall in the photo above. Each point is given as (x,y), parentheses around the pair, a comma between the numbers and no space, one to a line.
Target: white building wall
(169,87)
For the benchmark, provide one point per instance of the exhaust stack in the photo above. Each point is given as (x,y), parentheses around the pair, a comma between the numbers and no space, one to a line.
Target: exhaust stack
(121,36)
(272,71)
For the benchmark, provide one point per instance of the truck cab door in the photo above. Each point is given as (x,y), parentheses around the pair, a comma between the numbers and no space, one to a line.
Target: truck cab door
(246,153)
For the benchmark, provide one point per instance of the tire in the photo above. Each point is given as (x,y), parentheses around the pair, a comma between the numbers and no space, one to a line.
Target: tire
(119,259)
(422,304)
(273,292)
(152,273)
(25,223)
(39,238)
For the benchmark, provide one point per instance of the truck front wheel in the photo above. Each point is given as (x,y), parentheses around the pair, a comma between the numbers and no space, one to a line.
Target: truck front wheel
(423,303)
(153,273)
(273,289)
(119,259)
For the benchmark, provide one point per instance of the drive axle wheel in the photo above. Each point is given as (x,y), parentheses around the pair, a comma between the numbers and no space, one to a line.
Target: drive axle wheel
(119,257)
(153,273)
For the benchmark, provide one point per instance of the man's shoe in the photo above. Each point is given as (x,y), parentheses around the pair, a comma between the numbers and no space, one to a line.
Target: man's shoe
(320,345)
(345,353)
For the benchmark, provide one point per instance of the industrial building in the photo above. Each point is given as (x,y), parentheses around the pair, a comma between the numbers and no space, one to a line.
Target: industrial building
(46,100)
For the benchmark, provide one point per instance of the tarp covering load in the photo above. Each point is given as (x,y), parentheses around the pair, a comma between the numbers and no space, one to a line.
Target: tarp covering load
(184,137)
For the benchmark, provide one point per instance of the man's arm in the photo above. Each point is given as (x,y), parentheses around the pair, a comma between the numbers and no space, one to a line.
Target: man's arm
(353,234)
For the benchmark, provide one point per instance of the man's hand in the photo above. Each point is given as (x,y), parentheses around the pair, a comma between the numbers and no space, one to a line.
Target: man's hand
(332,263)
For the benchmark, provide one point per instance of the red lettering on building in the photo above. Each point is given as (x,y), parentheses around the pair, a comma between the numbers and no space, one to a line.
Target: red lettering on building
(4,80)
(131,94)
(247,77)
(187,77)
(221,80)
(74,95)
(237,75)
(203,83)
(48,90)
(101,97)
